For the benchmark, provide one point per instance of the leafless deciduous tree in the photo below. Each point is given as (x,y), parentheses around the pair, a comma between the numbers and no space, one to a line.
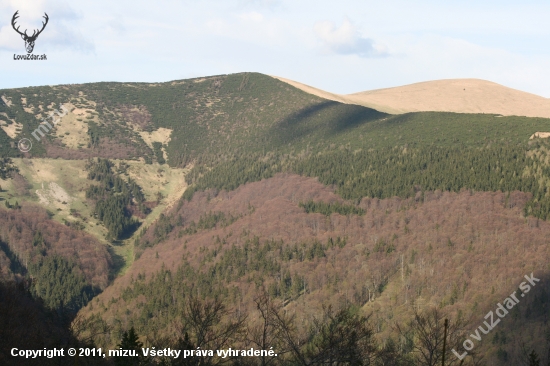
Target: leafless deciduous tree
(425,335)
(268,332)
(208,325)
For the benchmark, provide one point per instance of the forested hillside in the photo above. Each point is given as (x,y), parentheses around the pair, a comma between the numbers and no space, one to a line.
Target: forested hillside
(28,324)
(440,250)
(218,116)
(299,218)
(67,267)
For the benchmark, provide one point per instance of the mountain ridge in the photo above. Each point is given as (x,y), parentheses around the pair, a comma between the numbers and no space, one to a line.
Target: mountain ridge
(446,95)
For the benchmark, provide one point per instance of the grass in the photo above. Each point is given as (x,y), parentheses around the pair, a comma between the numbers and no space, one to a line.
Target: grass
(170,182)
(72,132)
(71,176)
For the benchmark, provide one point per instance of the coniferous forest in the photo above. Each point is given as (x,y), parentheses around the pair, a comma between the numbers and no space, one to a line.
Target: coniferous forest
(112,197)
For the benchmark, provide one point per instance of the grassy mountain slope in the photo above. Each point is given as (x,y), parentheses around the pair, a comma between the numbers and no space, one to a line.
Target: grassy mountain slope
(452,95)
(456,95)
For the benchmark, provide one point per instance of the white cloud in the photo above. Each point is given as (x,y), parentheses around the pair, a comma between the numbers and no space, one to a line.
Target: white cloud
(270,4)
(252,16)
(65,37)
(347,40)
(116,25)
(33,10)
(217,26)
(9,40)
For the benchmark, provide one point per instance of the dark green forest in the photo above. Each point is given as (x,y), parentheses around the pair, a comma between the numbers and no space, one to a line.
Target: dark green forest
(60,284)
(398,172)
(329,208)
(112,197)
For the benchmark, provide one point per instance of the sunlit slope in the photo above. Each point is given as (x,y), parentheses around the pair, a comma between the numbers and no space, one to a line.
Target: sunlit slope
(452,95)
(210,116)
(457,95)
(315,91)
(216,116)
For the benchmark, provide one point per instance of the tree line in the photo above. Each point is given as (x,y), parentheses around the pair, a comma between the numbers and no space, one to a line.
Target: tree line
(396,172)
(329,208)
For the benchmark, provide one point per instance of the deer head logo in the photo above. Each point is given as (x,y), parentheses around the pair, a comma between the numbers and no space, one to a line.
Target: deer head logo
(29,40)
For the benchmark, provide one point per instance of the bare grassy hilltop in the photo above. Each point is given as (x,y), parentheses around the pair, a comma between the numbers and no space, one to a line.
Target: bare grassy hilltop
(452,95)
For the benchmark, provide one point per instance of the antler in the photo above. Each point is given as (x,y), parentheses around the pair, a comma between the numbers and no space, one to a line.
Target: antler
(15,16)
(34,34)
(43,25)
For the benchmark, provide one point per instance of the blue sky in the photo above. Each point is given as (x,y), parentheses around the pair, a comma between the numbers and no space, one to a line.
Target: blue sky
(343,47)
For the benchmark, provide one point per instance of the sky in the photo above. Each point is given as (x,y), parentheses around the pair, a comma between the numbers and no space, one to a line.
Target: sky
(341,46)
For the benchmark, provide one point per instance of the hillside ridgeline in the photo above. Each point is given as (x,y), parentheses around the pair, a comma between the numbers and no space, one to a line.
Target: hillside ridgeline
(451,95)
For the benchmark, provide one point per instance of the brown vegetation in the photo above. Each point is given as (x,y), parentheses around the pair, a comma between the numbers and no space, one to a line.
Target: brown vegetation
(460,251)
(138,116)
(20,184)
(107,148)
(5,263)
(18,228)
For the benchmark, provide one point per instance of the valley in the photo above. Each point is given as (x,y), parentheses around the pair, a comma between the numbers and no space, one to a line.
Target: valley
(154,207)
